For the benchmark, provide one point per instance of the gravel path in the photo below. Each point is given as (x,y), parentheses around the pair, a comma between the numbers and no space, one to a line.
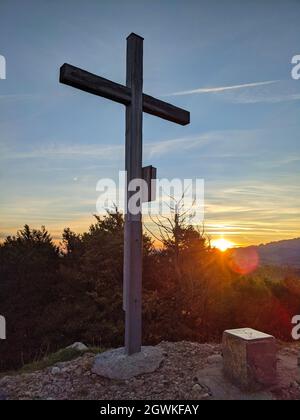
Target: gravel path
(177,378)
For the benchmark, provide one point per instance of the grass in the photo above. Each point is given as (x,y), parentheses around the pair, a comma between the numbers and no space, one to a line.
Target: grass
(64,355)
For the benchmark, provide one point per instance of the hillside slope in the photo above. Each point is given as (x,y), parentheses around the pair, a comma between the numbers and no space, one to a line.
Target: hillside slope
(283,253)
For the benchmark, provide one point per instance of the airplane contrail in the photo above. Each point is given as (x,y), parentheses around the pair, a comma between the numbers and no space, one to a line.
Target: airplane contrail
(223,88)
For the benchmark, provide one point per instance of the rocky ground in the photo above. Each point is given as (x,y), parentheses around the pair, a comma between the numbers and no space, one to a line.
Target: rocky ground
(189,371)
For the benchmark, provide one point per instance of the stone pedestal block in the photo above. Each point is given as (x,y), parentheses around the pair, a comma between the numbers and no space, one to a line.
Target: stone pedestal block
(250,358)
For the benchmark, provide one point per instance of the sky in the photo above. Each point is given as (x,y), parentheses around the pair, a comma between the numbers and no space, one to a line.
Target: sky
(227,62)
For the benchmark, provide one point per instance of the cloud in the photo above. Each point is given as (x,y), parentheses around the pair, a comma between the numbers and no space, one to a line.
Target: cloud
(219,89)
(250,212)
(252,93)
(159,148)
(266,98)
(17,97)
(187,143)
(105,151)
(68,152)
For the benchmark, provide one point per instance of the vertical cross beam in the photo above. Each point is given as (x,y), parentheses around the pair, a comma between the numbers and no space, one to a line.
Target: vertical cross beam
(133,247)
(136,103)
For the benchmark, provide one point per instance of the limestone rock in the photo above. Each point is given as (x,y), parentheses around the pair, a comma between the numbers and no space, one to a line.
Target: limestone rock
(215,358)
(115,364)
(197,388)
(78,346)
(55,370)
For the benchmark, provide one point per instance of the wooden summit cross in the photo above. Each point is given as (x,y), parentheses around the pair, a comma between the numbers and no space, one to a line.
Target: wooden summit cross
(136,103)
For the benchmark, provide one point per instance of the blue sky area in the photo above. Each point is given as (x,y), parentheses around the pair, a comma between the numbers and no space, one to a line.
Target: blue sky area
(229,60)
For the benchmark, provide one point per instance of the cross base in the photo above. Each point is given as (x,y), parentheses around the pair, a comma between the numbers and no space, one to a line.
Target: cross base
(116,364)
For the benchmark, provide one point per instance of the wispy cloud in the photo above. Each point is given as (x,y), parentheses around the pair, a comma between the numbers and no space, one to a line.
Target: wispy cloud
(218,89)
(159,148)
(266,98)
(56,151)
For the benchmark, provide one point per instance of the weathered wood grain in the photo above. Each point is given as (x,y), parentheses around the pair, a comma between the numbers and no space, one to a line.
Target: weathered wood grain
(133,238)
(91,83)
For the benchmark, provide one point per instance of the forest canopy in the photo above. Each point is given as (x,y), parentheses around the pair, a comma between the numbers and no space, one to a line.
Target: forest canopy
(53,296)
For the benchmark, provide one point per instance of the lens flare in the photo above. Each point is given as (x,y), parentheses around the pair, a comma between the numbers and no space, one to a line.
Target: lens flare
(244,260)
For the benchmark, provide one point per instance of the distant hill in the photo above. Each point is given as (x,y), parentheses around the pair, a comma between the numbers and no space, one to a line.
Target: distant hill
(283,253)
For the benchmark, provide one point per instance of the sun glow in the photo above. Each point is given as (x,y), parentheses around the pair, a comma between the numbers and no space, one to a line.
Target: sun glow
(222,244)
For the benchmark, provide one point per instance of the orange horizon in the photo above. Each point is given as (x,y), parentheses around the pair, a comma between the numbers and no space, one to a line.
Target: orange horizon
(235,237)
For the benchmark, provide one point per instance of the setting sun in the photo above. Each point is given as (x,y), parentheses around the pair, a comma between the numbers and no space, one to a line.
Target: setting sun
(222,244)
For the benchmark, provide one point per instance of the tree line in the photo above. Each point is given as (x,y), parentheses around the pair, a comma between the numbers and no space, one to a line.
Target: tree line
(52,296)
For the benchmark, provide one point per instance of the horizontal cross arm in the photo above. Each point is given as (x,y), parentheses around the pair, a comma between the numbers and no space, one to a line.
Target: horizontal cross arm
(88,82)
(164,110)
